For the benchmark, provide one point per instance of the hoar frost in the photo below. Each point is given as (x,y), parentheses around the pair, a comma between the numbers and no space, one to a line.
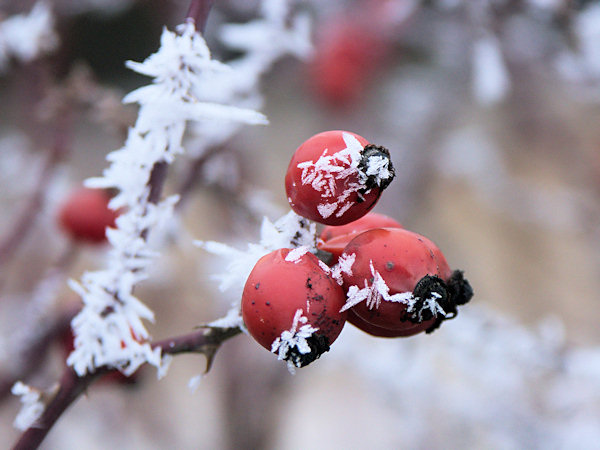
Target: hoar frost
(32,405)
(109,330)
(324,174)
(379,291)
(292,343)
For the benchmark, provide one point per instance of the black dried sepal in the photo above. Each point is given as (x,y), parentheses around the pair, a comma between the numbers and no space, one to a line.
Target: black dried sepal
(459,287)
(425,288)
(318,344)
(371,181)
(459,293)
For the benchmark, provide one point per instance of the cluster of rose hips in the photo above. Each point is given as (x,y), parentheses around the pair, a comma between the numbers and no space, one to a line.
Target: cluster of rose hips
(367,269)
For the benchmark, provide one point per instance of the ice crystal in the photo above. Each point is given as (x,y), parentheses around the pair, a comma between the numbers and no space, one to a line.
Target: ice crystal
(110,330)
(32,406)
(343,265)
(378,290)
(324,175)
(294,339)
(290,231)
(296,254)
(276,33)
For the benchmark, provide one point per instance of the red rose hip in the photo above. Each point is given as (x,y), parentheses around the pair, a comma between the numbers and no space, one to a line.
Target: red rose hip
(85,215)
(291,306)
(400,280)
(336,177)
(334,239)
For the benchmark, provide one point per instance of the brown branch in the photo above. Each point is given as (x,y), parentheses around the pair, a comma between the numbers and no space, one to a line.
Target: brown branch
(198,13)
(206,341)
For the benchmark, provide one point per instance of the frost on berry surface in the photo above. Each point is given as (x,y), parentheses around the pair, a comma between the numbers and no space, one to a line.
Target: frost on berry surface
(376,290)
(296,254)
(292,343)
(290,231)
(110,329)
(32,406)
(27,36)
(324,174)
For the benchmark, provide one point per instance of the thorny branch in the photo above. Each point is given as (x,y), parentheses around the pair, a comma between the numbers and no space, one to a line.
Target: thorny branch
(206,341)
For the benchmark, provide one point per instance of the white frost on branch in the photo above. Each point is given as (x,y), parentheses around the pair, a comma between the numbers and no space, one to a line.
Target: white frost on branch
(110,330)
(32,406)
(27,36)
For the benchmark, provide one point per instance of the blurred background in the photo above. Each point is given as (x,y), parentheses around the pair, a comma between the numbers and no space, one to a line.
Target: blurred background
(490,110)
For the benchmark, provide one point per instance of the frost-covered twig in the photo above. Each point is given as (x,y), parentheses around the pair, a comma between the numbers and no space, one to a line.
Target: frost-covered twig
(110,330)
(206,341)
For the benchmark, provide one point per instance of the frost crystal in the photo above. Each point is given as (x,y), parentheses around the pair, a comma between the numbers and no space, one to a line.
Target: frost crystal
(294,339)
(263,41)
(25,37)
(32,405)
(290,231)
(296,255)
(379,291)
(109,330)
(344,265)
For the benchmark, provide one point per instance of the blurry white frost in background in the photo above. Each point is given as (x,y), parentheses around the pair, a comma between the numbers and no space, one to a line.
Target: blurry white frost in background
(491,81)
(32,405)
(27,36)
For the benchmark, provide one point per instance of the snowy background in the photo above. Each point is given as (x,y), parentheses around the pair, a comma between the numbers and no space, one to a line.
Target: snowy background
(490,111)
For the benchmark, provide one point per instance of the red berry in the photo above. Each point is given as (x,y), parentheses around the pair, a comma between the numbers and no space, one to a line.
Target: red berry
(334,239)
(291,306)
(400,281)
(85,215)
(348,54)
(336,177)
(385,332)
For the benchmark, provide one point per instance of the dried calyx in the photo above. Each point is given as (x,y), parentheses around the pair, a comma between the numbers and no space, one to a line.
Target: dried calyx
(445,295)
(318,344)
(375,168)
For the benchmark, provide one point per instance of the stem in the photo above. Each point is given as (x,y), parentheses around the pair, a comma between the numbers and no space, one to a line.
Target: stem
(205,340)
(71,386)
(198,13)
(196,342)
